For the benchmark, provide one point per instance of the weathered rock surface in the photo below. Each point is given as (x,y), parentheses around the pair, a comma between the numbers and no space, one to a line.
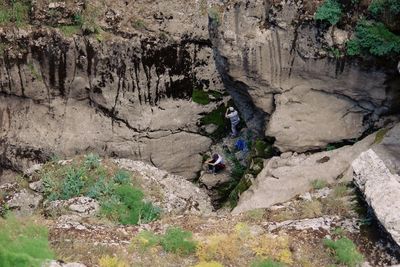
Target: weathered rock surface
(80,206)
(61,264)
(274,64)
(24,202)
(381,189)
(127,95)
(283,178)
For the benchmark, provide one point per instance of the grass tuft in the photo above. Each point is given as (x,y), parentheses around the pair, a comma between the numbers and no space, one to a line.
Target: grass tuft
(344,251)
(23,243)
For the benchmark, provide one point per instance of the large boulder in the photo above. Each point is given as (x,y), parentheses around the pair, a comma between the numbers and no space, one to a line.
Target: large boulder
(380,187)
(377,175)
(289,175)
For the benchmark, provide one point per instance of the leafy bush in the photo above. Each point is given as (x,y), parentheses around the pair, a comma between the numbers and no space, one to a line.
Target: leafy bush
(128,207)
(122,177)
(73,183)
(178,241)
(266,263)
(377,7)
(23,243)
(329,11)
(145,240)
(345,251)
(375,39)
(92,161)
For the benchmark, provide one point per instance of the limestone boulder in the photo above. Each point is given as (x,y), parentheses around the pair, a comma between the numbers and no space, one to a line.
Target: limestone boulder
(24,202)
(284,178)
(380,187)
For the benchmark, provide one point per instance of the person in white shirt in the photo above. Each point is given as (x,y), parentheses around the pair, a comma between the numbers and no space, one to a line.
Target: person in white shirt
(233,115)
(216,163)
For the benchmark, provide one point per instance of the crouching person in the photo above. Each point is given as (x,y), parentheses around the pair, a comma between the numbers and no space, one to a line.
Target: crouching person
(216,163)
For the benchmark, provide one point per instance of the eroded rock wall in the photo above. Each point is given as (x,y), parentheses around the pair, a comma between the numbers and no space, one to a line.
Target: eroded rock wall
(275,57)
(123,93)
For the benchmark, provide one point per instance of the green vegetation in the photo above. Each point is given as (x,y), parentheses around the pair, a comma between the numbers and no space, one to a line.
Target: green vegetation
(345,251)
(375,39)
(266,263)
(201,97)
(379,7)
(178,241)
(217,117)
(318,184)
(204,97)
(119,199)
(23,243)
(174,240)
(329,11)
(14,12)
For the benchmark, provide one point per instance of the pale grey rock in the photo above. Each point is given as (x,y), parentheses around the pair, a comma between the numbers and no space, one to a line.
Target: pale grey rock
(37,186)
(24,203)
(34,168)
(283,179)
(210,180)
(83,205)
(210,128)
(379,187)
(80,206)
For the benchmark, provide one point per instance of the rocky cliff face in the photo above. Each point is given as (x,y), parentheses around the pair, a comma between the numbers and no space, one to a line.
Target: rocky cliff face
(275,60)
(125,92)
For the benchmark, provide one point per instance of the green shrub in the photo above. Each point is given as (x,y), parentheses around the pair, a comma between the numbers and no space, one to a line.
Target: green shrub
(92,161)
(178,241)
(127,207)
(73,183)
(122,177)
(145,240)
(23,243)
(100,188)
(266,263)
(377,7)
(329,11)
(345,251)
(200,97)
(373,38)
(318,184)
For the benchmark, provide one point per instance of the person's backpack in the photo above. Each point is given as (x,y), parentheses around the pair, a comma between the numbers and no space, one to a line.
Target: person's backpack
(240,145)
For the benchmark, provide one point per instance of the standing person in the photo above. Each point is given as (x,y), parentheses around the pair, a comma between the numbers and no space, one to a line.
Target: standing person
(233,115)
(216,163)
